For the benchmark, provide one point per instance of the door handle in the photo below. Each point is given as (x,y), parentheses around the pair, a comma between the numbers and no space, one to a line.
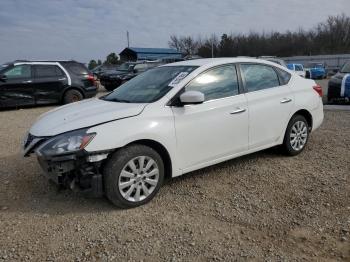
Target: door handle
(27,82)
(286,100)
(61,79)
(238,110)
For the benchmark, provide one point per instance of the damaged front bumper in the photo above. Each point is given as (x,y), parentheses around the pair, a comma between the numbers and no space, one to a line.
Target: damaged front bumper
(79,171)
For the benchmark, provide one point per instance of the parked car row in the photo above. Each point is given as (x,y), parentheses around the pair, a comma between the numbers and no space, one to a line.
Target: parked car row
(27,83)
(309,70)
(112,79)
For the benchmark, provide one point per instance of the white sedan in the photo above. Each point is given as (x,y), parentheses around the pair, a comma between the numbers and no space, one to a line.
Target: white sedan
(172,120)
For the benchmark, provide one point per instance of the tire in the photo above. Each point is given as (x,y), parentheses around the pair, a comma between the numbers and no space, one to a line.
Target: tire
(291,146)
(71,96)
(122,184)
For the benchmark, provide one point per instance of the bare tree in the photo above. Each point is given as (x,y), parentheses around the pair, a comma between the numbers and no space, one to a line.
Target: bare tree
(329,37)
(185,44)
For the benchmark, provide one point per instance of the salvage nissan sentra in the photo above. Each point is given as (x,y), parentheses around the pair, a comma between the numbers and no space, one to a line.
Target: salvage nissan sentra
(172,120)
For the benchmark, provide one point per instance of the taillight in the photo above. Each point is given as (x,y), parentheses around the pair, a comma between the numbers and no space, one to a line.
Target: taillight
(318,89)
(91,78)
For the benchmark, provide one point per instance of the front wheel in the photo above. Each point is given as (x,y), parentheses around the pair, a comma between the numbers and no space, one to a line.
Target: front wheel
(133,176)
(296,136)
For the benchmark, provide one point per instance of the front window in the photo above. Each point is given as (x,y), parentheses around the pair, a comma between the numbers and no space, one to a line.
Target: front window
(216,83)
(346,68)
(150,86)
(19,71)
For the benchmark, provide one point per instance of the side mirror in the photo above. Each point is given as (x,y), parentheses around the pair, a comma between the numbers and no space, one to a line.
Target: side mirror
(192,98)
(3,78)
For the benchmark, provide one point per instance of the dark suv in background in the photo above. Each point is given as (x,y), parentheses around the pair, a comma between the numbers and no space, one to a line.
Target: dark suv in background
(27,83)
(113,78)
(339,85)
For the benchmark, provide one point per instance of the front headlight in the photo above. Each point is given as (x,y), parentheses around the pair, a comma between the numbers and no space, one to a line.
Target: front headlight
(66,143)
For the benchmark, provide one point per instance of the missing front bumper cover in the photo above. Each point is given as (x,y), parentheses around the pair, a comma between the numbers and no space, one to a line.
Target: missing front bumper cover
(74,172)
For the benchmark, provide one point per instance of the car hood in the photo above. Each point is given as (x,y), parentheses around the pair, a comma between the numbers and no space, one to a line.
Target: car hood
(82,114)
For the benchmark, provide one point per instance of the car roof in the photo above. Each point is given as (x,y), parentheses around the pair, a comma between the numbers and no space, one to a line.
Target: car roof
(44,62)
(218,61)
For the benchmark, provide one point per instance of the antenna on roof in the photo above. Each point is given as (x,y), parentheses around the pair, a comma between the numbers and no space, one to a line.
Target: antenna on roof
(127,38)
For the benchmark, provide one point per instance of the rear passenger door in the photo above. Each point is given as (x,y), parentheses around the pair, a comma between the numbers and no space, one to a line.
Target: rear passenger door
(270,103)
(50,82)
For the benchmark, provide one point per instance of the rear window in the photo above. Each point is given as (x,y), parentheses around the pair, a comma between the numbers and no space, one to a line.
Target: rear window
(76,68)
(298,68)
(283,76)
(47,71)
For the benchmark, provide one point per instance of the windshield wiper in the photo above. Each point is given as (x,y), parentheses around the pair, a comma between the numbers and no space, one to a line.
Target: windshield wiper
(120,100)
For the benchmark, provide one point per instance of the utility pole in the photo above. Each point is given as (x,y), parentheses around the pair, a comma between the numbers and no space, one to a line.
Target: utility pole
(127,37)
(212,49)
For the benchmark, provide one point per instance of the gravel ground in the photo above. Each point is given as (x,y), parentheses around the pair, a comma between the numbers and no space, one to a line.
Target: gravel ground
(264,206)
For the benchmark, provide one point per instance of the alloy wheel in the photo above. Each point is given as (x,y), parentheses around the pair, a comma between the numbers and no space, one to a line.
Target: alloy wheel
(138,178)
(298,135)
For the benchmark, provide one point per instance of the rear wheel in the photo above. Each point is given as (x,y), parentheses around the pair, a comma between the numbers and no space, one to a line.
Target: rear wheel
(133,176)
(72,95)
(296,136)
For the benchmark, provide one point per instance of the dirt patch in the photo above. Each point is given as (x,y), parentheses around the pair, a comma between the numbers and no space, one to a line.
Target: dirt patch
(264,206)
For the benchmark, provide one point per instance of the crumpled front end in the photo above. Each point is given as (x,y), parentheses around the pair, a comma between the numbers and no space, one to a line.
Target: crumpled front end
(78,170)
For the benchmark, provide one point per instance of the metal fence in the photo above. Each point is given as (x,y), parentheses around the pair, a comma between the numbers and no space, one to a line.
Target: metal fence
(331,61)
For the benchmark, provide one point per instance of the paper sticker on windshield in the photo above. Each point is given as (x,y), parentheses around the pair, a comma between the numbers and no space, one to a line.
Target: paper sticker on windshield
(178,79)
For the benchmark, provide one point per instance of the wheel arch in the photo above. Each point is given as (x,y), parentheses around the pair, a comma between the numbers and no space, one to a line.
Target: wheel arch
(161,150)
(305,113)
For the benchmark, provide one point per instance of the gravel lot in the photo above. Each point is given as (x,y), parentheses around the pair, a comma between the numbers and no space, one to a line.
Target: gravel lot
(263,207)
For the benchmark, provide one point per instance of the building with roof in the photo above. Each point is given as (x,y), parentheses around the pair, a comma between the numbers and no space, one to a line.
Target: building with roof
(135,53)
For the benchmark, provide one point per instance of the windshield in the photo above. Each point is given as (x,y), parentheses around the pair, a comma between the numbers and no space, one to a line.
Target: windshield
(315,65)
(149,86)
(345,68)
(125,66)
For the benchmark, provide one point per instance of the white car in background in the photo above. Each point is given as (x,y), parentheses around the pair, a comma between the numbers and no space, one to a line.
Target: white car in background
(297,68)
(172,120)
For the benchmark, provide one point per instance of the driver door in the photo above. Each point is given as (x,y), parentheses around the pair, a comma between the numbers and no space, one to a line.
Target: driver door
(16,87)
(213,131)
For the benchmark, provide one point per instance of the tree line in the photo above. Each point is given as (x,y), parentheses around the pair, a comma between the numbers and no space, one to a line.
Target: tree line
(329,37)
(111,59)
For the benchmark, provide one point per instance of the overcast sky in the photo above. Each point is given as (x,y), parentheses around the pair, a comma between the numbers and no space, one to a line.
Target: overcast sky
(85,29)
